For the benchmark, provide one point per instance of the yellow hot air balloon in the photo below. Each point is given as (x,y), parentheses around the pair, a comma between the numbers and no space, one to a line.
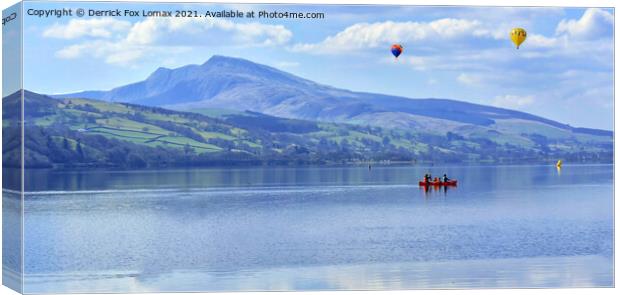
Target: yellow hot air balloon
(518,35)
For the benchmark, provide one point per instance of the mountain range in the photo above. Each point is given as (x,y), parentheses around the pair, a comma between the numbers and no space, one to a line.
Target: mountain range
(79,132)
(239,84)
(233,111)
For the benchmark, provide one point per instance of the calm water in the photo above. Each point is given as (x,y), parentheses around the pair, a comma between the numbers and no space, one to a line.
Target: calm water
(318,228)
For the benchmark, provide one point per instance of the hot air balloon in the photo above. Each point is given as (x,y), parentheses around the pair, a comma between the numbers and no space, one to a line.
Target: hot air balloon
(397,49)
(518,35)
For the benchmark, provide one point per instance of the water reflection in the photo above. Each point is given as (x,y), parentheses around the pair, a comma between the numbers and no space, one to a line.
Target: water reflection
(487,178)
(286,228)
(435,190)
(538,272)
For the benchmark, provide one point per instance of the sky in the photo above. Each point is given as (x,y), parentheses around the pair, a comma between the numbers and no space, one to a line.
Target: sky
(563,71)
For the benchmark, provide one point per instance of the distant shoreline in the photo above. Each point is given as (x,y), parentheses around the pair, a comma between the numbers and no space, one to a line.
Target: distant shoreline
(293,165)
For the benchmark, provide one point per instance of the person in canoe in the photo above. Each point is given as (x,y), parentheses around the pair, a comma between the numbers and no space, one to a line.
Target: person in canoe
(445,178)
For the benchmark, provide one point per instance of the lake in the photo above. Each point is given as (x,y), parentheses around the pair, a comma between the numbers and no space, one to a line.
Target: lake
(317,228)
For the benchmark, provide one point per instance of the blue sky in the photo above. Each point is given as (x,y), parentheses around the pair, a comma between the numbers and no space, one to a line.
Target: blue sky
(563,71)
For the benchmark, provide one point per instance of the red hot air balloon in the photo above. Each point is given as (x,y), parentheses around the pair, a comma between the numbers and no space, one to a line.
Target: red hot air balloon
(397,49)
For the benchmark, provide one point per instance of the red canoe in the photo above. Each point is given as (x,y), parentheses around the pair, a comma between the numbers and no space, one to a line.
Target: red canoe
(439,183)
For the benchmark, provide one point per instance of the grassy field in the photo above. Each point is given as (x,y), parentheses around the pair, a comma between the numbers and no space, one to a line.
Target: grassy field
(154,136)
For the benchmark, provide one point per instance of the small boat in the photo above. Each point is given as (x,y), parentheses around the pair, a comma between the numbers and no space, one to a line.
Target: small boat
(439,183)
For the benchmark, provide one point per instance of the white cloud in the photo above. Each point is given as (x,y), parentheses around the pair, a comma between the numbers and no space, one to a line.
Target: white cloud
(574,37)
(594,23)
(513,101)
(540,41)
(124,56)
(164,35)
(469,79)
(374,35)
(110,52)
(262,34)
(96,27)
(206,31)
(73,51)
(461,61)
(540,56)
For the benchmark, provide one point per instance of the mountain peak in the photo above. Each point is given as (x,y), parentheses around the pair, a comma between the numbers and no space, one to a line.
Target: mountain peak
(227,60)
(241,67)
(240,84)
(161,71)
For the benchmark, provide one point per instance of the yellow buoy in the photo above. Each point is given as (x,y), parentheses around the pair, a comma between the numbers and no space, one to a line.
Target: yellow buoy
(559,164)
(518,35)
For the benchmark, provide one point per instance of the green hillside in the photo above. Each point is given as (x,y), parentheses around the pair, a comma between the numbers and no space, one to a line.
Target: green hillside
(92,133)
